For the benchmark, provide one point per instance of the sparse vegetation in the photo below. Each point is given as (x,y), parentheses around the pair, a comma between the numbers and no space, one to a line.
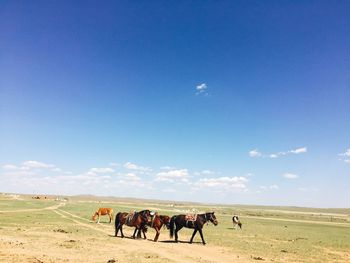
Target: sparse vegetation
(269,233)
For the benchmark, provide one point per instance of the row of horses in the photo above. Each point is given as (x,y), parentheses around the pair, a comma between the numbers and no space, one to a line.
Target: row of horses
(143,219)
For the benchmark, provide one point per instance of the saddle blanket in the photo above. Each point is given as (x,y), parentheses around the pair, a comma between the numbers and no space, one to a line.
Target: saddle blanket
(191,217)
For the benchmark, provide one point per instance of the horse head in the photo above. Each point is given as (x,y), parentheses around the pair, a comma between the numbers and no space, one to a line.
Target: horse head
(212,218)
(94,216)
(166,221)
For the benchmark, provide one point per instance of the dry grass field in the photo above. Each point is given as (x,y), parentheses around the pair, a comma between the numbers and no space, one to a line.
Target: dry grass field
(46,230)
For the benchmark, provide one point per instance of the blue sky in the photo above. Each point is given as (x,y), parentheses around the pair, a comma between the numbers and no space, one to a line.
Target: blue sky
(213,101)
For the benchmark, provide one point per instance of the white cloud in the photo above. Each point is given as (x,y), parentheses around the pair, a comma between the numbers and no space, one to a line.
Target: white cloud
(308,189)
(270,187)
(94,171)
(132,176)
(207,172)
(101,170)
(274,186)
(132,166)
(172,175)
(167,168)
(223,182)
(299,150)
(36,164)
(255,153)
(290,176)
(201,87)
(9,167)
(204,173)
(114,164)
(346,154)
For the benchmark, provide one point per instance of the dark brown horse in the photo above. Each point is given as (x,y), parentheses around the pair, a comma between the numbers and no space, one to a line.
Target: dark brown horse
(181,221)
(136,219)
(157,222)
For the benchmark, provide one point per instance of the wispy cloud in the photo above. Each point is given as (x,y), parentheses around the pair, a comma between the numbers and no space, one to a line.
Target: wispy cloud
(132,177)
(167,168)
(290,176)
(269,187)
(307,189)
(36,164)
(9,167)
(202,89)
(205,173)
(299,150)
(32,176)
(238,182)
(132,166)
(173,175)
(345,156)
(103,170)
(257,153)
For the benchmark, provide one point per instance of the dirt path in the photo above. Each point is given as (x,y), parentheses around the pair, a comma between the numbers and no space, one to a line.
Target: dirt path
(34,209)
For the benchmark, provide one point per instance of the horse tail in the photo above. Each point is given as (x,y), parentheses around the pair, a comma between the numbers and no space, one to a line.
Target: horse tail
(172,226)
(112,215)
(117,220)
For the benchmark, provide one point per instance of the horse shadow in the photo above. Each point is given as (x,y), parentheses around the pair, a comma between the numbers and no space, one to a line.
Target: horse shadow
(179,241)
(127,237)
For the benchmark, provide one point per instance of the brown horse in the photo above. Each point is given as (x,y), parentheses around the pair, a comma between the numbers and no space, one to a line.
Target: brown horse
(102,212)
(136,219)
(181,221)
(157,222)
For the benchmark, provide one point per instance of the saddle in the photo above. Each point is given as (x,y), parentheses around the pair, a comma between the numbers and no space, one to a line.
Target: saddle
(153,215)
(191,217)
(130,217)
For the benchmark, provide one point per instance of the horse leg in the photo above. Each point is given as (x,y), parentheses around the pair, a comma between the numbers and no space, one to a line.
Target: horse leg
(144,234)
(116,230)
(157,235)
(201,233)
(178,228)
(194,233)
(98,220)
(133,236)
(121,231)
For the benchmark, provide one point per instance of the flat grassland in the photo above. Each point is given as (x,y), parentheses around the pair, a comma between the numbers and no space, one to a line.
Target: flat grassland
(46,230)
